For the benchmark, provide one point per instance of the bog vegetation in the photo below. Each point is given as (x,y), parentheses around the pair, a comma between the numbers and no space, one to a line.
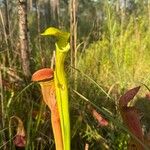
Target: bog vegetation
(107,71)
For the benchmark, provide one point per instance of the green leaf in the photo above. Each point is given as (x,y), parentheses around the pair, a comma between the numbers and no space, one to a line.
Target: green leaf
(62,47)
(57,33)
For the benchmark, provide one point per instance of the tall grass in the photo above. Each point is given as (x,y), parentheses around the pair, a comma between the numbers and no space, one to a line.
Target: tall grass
(117,61)
(121,56)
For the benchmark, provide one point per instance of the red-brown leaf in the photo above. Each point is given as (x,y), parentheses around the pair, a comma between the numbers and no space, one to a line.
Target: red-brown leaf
(131,119)
(129,95)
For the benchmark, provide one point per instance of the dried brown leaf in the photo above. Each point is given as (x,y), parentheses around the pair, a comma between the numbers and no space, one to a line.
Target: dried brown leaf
(19,140)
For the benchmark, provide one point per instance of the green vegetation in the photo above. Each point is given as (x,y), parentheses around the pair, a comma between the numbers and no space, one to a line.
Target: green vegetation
(113,55)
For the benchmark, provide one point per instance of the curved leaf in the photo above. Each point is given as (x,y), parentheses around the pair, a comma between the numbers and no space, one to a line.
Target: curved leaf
(131,119)
(128,96)
(62,36)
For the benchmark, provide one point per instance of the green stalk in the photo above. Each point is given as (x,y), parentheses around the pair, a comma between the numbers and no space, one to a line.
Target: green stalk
(62,96)
(62,47)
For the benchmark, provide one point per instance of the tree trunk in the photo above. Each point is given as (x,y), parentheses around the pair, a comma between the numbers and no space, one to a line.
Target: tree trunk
(73,31)
(30,4)
(7,34)
(23,36)
(6,19)
(38,17)
(73,38)
(54,4)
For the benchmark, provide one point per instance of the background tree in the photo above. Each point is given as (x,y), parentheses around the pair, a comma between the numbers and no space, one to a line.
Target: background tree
(54,7)
(23,35)
(73,36)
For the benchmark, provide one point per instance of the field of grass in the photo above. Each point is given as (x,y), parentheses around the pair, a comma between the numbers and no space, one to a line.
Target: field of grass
(118,60)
